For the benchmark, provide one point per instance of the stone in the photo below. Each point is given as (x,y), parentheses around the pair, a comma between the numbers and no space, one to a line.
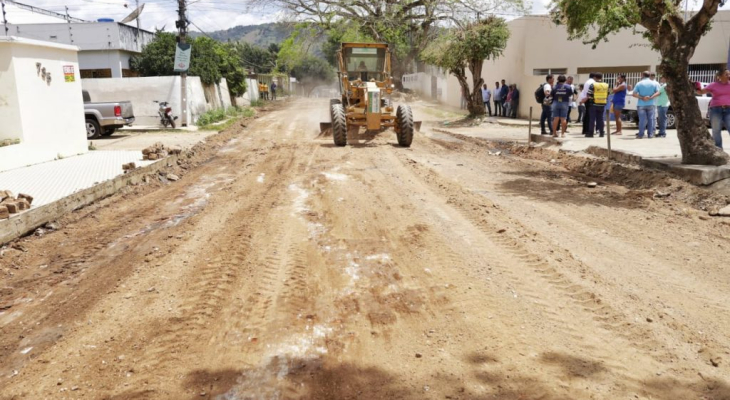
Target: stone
(152,156)
(27,198)
(592,184)
(3,195)
(172,177)
(129,166)
(724,212)
(4,213)
(23,204)
(175,150)
(12,208)
(148,150)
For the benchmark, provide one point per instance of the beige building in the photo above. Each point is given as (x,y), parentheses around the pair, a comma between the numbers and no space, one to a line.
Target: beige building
(537,47)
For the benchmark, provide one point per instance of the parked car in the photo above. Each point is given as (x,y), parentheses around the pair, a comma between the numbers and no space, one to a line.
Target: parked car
(103,119)
(630,113)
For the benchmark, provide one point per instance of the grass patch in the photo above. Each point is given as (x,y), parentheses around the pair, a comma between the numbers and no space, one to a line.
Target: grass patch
(9,142)
(209,120)
(258,103)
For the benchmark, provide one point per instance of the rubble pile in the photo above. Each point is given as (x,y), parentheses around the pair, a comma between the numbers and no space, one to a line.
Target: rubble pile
(128,167)
(13,205)
(158,151)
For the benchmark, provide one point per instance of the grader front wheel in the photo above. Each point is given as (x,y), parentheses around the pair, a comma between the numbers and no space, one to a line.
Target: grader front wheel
(404,121)
(339,125)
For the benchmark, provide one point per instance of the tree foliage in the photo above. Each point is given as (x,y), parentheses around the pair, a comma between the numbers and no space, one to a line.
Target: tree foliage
(313,71)
(210,60)
(407,25)
(299,45)
(466,47)
(339,32)
(256,58)
(662,24)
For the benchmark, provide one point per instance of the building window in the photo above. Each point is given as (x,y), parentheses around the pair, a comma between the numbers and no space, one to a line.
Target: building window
(96,73)
(704,72)
(128,73)
(548,71)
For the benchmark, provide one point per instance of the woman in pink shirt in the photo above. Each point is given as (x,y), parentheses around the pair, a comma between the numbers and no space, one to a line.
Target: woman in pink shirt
(719,104)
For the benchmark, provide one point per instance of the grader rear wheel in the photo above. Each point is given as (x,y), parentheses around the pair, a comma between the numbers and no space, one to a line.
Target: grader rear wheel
(339,125)
(404,121)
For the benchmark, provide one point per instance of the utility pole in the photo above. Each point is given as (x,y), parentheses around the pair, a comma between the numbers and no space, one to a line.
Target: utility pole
(70,31)
(5,18)
(182,26)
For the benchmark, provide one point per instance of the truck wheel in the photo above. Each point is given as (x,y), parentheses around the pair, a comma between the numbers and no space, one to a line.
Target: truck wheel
(172,122)
(339,125)
(93,130)
(108,131)
(404,122)
(671,120)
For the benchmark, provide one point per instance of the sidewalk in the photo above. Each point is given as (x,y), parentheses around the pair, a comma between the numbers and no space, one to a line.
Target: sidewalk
(658,153)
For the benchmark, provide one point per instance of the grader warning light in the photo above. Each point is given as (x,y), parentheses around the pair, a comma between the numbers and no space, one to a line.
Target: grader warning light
(366,87)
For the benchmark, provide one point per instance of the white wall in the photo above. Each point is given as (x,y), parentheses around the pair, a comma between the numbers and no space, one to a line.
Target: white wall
(102,59)
(142,91)
(46,117)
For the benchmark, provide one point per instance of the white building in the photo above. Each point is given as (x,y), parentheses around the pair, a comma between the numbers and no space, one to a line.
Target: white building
(41,108)
(537,47)
(105,47)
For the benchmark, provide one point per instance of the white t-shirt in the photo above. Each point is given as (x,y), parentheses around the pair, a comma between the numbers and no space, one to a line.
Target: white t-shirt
(547,89)
(586,87)
(572,96)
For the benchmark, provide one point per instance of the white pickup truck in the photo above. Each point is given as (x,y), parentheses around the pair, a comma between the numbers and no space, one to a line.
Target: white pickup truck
(630,109)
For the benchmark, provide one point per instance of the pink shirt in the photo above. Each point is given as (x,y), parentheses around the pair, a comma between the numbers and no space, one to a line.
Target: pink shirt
(720,94)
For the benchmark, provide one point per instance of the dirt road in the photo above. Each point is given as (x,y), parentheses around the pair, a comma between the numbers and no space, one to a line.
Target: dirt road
(286,268)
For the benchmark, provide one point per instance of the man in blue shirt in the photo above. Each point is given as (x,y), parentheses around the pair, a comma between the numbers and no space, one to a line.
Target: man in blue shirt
(504,90)
(646,91)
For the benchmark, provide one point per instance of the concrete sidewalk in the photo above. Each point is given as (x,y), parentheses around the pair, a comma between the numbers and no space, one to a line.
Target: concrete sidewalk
(658,153)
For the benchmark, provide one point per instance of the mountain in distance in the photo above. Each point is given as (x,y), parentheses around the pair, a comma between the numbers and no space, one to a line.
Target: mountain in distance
(260,35)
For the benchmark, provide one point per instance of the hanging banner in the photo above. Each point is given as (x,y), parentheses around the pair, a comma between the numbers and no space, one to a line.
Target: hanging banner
(69,75)
(182,57)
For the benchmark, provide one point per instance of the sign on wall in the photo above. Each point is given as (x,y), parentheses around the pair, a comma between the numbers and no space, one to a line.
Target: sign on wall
(69,75)
(182,57)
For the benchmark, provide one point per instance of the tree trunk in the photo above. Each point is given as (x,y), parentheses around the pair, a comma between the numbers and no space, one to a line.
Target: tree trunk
(476,104)
(694,140)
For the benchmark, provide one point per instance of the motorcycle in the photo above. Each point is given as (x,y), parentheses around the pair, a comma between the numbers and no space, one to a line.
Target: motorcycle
(165,113)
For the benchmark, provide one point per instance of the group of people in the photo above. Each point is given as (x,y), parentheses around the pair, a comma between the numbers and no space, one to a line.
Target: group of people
(265,89)
(593,97)
(719,104)
(506,99)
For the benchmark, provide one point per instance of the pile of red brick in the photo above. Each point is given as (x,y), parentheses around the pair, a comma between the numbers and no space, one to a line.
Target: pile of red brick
(158,151)
(13,205)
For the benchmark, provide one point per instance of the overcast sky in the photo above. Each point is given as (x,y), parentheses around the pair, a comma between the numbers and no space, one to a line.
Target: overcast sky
(209,15)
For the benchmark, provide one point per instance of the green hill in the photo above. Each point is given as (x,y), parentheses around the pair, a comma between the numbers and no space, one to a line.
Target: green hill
(259,35)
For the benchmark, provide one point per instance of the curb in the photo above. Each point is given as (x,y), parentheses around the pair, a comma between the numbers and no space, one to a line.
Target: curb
(28,221)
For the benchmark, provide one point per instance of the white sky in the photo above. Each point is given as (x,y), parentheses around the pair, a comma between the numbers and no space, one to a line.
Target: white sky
(209,15)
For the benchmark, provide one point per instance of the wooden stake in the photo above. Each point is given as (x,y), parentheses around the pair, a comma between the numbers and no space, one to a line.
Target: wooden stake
(608,131)
(529,129)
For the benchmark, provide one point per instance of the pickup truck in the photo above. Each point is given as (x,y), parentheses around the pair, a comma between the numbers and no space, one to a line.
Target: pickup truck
(102,119)
(630,113)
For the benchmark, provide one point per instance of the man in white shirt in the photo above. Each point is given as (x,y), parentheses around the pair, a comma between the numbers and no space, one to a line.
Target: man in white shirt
(546,117)
(584,99)
(572,105)
(487,97)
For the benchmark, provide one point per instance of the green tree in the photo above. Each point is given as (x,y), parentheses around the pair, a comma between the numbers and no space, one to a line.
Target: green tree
(674,37)
(339,32)
(255,58)
(311,72)
(157,58)
(205,61)
(297,46)
(465,48)
(231,67)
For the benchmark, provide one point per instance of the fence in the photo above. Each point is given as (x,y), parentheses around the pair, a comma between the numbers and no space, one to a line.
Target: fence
(704,73)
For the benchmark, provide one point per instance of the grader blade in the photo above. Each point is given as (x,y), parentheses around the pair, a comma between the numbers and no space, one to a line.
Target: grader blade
(325,128)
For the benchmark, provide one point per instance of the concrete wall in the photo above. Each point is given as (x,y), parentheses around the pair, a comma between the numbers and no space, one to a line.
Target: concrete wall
(47,117)
(101,59)
(142,91)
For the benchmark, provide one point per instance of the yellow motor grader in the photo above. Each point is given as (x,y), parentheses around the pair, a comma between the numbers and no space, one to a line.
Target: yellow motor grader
(366,88)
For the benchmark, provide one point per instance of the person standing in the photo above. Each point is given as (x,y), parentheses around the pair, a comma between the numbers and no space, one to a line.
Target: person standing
(546,115)
(662,106)
(273,90)
(646,91)
(562,96)
(497,96)
(515,100)
(503,96)
(588,104)
(508,102)
(618,102)
(571,105)
(486,97)
(719,104)
(598,93)
(581,105)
